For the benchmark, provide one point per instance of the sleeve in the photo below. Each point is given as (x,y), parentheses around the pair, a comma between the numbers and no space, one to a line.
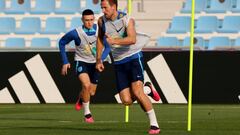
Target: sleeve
(106,50)
(67,38)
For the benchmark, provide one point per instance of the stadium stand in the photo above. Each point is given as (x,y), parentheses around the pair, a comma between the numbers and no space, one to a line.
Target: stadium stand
(29,25)
(217,6)
(7,25)
(46,9)
(217,24)
(16,8)
(15,43)
(231,24)
(2,5)
(75,22)
(94,5)
(219,43)
(40,43)
(52,18)
(206,24)
(168,42)
(69,7)
(180,24)
(34,20)
(199,43)
(236,44)
(235,6)
(54,25)
(43,7)
(187,6)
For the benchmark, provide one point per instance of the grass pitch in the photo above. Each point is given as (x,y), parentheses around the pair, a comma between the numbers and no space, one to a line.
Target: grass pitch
(62,119)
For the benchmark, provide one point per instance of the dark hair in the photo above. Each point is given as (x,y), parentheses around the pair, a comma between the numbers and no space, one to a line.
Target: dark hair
(20,1)
(113,2)
(221,1)
(87,12)
(95,1)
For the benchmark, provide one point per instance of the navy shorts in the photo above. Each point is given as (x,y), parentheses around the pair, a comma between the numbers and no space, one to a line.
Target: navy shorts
(89,68)
(129,72)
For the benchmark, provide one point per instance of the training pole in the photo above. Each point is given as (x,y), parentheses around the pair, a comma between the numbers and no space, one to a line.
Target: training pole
(191,68)
(129,5)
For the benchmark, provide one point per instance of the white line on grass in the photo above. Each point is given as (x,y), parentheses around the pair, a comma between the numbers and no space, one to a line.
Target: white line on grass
(108,121)
(64,121)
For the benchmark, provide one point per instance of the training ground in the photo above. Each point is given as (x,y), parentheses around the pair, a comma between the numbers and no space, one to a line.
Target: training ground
(62,119)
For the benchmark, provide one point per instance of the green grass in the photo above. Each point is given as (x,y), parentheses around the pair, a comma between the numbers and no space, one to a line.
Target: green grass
(62,119)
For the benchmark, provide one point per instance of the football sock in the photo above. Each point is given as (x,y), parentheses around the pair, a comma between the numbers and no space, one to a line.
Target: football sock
(86,108)
(152,118)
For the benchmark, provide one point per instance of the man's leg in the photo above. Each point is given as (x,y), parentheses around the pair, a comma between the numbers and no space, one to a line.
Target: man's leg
(126,96)
(93,89)
(87,113)
(137,90)
(85,97)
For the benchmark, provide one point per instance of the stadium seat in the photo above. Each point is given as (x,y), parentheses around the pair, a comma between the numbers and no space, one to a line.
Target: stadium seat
(75,22)
(198,43)
(180,24)
(15,43)
(16,8)
(216,43)
(168,42)
(231,24)
(235,6)
(206,24)
(54,25)
(7,25)
(29,25)
(236,44)
(216,6)
(94,5)
(40,43)
(43,7)
(2,5)
(69,7)
(199,6)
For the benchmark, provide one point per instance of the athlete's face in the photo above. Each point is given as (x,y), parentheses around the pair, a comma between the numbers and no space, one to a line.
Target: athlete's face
(88,21)
(107,9)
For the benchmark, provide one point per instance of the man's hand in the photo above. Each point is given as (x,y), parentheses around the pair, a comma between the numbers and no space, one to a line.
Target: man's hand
(110,40)
(99,66)
(65,68)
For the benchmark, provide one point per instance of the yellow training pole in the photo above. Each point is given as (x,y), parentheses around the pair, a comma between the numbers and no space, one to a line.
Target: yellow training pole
(129,7)
(126,113)
(127,107)
(191,68)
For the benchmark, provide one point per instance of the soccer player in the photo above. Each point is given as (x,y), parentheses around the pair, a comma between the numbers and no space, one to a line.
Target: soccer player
(85,59)
(117,31)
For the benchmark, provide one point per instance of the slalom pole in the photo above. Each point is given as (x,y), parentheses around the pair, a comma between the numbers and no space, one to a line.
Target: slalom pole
(129,5)
(191,68)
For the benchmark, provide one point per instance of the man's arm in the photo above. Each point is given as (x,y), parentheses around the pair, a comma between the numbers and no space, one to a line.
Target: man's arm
(100,46)
(67,38)
(72,35)
(129,40)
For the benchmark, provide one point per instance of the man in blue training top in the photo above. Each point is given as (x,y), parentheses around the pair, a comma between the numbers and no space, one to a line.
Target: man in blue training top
(117,31)
(85,42)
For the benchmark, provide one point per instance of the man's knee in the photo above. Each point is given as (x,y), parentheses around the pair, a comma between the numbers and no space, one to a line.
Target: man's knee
(127,101)
(137,90)
(87,86)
